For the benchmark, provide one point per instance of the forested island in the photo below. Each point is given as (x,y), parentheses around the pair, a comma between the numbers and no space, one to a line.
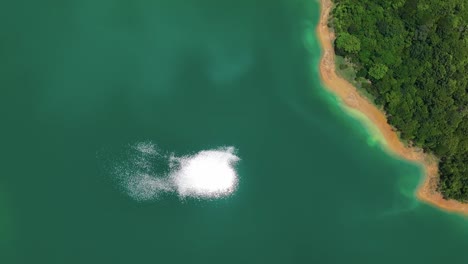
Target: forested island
(411,58)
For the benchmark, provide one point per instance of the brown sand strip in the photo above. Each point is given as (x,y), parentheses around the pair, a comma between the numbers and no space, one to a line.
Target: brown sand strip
(427,191)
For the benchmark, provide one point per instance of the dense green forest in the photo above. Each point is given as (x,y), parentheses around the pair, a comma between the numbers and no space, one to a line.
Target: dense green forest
(412,57)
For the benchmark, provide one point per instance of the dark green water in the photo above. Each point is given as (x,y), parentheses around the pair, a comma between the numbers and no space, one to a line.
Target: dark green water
(77,77)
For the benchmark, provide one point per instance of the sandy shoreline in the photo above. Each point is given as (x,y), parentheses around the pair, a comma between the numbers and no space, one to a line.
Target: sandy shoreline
(351,98)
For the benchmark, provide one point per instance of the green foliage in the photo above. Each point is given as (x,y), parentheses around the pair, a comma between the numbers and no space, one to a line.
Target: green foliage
(415,52)
(378,71)
(348,43)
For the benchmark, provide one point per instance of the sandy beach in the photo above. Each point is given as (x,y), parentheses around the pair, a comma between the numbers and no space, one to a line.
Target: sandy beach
(351,98)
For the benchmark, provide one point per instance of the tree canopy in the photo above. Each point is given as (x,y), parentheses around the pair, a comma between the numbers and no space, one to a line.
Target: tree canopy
(349,43)
(378,71)
(415,53)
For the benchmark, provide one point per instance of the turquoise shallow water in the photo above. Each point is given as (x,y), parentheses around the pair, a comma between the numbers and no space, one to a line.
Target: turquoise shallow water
(79,78)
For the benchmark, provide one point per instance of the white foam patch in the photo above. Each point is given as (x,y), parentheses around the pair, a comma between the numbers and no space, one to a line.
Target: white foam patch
(145,174)
(144,187)
(209,173)
(146,147)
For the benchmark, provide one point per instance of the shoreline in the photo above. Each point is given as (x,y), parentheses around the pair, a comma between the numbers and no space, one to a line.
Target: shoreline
(351,99)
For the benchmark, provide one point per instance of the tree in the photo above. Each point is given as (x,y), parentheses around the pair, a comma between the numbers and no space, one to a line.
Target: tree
(378,71)
(348,43)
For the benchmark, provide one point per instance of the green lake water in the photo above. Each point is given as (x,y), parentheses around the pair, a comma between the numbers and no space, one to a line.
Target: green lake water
(81,81)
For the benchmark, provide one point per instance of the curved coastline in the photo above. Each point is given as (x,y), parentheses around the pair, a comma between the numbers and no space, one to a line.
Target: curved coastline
(352,100)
